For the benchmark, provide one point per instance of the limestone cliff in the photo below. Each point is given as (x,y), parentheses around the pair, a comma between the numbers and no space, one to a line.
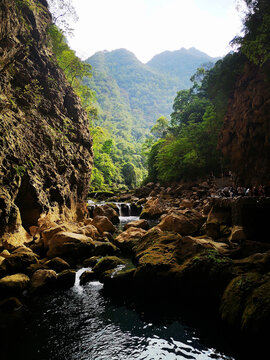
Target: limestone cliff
(45,144)
(245,137)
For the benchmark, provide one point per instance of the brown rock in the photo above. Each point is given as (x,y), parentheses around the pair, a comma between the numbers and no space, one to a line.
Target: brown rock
(49,233)
(183,222)
(129,238)
(69,245)
(104,248)
(20,259)
(66,278)
(13,284)
(186,204)
(103,224)
(5,253)
(107,263)
(245,137)
(42,280)
(142,224)
(237,235)
(108,211)
(153,209)
(89,230)
(57,264)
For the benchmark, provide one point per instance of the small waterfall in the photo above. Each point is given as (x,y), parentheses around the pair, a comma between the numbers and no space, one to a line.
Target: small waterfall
(119,208)
(129,209)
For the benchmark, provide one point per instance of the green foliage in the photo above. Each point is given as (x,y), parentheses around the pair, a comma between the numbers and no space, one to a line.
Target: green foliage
(20,170)
(189,149)
(75,69)
(129,174)
(130,96)
(188,106)
(218,82)
(255,43)
(160,129)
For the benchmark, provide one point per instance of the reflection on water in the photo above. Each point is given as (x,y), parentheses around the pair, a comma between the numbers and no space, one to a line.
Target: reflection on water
(80,324)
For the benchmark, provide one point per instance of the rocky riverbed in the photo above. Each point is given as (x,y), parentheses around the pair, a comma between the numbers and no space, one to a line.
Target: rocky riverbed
(197,256)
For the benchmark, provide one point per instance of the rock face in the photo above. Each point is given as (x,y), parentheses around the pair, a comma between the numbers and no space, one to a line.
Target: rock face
(245,137)
(45,144)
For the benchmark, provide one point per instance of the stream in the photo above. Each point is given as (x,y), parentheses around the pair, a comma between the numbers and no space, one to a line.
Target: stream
(82,324)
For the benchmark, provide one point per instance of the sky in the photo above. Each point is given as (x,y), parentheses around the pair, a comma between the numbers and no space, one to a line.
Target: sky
(148,27)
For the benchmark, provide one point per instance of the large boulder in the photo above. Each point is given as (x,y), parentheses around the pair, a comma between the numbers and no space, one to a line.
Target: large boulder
(184,222)
(89,230)
(129,238)
(235,296)
(20,259)
(218,218)
(153,209)
(108,211)
(142,224)
(107,263)
(42,281)
(57,264)
(66,278)
(105,248)
(87,276)
(13,284)
(49,233)
(70,246)
(103,224)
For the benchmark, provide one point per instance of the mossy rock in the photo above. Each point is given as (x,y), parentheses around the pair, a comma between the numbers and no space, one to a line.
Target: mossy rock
(204,277)
(91,262)
(234,299)
(19,260)
(87,276)
(13,284)
(256,316)
(107,263)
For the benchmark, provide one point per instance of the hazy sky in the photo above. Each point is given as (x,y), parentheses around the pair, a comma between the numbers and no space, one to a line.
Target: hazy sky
(148,27)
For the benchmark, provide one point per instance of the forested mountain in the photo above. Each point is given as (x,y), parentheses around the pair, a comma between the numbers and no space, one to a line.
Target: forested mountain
(180,64)
(131,96)
(146,91)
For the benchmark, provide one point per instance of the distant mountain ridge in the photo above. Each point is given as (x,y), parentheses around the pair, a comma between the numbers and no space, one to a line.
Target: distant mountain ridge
(128,90)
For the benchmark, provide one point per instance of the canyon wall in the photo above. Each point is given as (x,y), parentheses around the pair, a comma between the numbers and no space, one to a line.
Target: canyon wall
(45,144)
(245,137)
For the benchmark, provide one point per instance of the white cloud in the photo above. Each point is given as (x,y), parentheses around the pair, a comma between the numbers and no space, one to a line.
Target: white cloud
(148,27)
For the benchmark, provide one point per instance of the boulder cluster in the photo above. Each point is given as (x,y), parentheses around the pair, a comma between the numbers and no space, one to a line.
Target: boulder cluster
(187,248)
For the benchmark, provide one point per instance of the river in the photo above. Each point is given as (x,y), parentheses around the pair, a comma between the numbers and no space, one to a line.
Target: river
(82,324)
